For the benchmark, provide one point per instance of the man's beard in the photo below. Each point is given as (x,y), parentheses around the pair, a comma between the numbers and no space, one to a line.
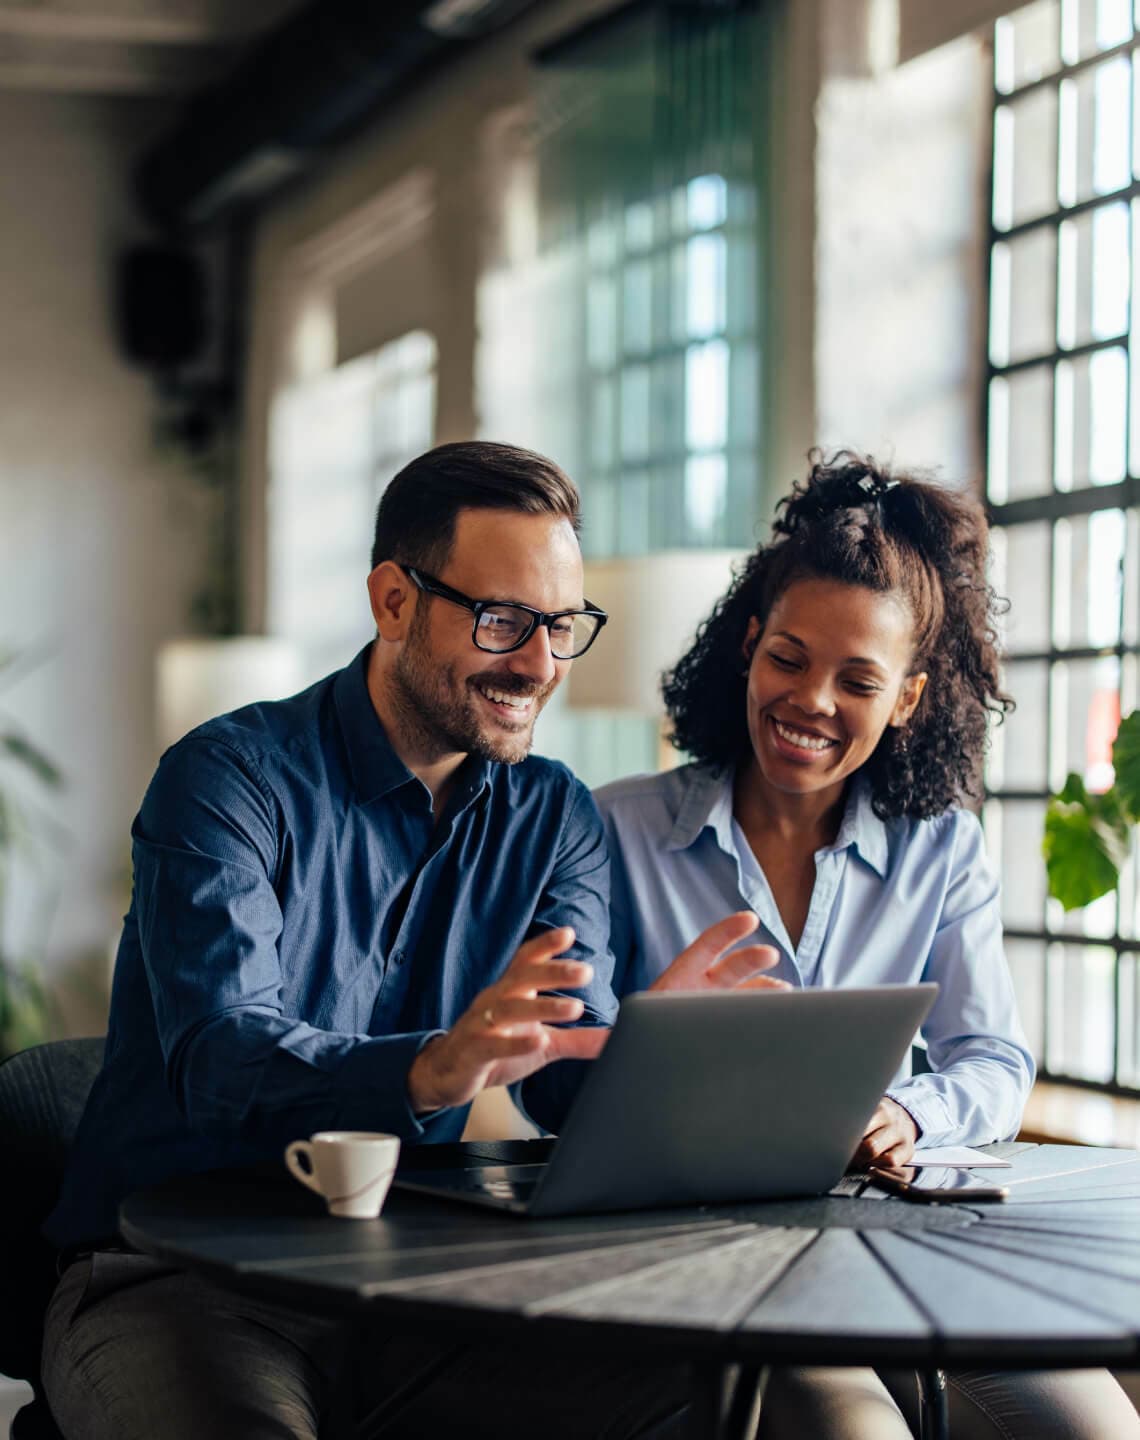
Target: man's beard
(440,714)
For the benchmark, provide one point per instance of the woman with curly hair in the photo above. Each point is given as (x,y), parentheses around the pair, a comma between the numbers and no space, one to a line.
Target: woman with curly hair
(835,706)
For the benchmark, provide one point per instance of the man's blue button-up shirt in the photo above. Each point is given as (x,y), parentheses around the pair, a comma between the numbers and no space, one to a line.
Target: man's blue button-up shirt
(301,924)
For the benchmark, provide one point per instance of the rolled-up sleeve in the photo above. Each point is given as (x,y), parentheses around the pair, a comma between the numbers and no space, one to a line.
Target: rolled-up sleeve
(982,1066)
(206,849)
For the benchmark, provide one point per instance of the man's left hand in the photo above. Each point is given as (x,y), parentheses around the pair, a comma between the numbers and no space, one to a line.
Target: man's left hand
(890,1137)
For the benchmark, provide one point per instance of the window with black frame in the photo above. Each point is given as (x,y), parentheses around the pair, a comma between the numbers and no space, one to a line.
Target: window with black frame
(1063,484)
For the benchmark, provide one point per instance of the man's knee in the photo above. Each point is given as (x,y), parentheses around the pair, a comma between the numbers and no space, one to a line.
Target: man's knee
(133,1349)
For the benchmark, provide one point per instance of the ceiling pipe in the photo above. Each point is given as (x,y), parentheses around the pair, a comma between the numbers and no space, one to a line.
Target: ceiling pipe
(305,85)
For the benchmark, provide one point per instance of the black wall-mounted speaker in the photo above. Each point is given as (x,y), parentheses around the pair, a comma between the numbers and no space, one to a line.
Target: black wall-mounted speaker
(160,306)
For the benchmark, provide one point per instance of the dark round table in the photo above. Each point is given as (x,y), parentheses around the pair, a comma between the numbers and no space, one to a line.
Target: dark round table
(1050,1278)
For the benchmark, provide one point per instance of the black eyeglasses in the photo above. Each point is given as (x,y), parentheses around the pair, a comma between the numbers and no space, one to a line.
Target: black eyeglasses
(501,626)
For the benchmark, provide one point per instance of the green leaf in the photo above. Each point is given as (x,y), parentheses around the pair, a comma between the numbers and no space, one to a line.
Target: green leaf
(32,757)
(1085,844)
(1126,763)
(1074,791)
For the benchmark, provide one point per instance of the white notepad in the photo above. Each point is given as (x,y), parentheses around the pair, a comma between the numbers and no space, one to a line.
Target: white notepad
(958,1157)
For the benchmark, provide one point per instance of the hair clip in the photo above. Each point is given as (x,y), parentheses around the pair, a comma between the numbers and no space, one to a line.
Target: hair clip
(875,485)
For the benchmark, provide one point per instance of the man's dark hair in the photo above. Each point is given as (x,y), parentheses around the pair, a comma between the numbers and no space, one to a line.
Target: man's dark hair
(860,524)
(415,520)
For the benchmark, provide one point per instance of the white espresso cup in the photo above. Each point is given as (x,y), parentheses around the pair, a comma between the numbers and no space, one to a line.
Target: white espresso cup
(352,1169)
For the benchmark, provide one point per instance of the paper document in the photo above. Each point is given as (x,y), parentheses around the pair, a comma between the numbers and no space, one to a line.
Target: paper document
(960,1156)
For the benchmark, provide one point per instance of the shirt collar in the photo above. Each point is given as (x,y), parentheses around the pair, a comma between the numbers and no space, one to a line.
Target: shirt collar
(862,828)
(375,767)
(707,802)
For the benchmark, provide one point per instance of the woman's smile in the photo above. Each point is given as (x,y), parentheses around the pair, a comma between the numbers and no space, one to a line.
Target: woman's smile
(829,671)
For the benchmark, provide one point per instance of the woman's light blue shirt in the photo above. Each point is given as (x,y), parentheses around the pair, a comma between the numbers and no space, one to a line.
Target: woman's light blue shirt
(894,902)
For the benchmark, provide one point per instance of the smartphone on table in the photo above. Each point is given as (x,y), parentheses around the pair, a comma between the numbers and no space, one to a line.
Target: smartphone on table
(933,1183)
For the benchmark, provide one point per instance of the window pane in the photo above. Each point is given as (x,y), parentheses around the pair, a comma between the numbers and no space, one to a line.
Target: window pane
(638,226)
(707,199)
(1021,438)
(1019,742)
(1131,604)
(705,284)
(1097,920)
(635,413)
(706,395)
(602,419)
(1025,158)
(601,323)
(1021,867)
(1089,26)
(1094,276)
(706,494)
(1021,574)
(1090,425)
(1095,112)
(637,307)
(1129,913)
(1128,1023)
(1026,45)
(666,384)
(1027,969)
(1085,713)
(1081,983)
(633,501)
(1023,296)
(1088,576)
(744,398)
(1135,328)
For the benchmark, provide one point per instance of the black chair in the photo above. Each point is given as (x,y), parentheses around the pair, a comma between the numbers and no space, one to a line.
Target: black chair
(42,1095)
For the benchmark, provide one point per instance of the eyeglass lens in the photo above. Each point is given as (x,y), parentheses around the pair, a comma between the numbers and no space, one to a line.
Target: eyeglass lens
(504,627)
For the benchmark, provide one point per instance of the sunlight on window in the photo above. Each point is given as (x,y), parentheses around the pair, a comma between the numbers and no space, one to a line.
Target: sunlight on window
(1109,271)
(997,480)
(1113,23)
(705,287)
(1111,160)
(707,198)
(1108,408)
(1000,302)
(706,490)
(706,396)
(1106,572)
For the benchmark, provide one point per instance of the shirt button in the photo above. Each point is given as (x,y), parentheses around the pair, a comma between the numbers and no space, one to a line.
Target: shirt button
(397,957)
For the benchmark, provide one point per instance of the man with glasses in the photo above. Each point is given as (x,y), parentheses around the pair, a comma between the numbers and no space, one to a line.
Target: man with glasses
(355,909)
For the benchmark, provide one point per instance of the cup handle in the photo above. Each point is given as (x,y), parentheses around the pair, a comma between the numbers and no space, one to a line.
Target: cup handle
(293,1154)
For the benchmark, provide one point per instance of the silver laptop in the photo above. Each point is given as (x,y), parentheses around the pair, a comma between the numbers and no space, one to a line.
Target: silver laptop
(712,1097)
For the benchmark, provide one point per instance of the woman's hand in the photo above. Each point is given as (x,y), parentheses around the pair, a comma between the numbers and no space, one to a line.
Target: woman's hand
(710,963)
(890,1138)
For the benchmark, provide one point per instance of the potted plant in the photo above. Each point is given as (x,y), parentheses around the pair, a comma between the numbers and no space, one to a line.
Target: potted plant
(1088,835)
(25,1006)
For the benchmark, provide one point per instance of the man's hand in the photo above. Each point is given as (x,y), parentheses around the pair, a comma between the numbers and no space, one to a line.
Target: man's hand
(705,966)
(890,1139)
(507,1033)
